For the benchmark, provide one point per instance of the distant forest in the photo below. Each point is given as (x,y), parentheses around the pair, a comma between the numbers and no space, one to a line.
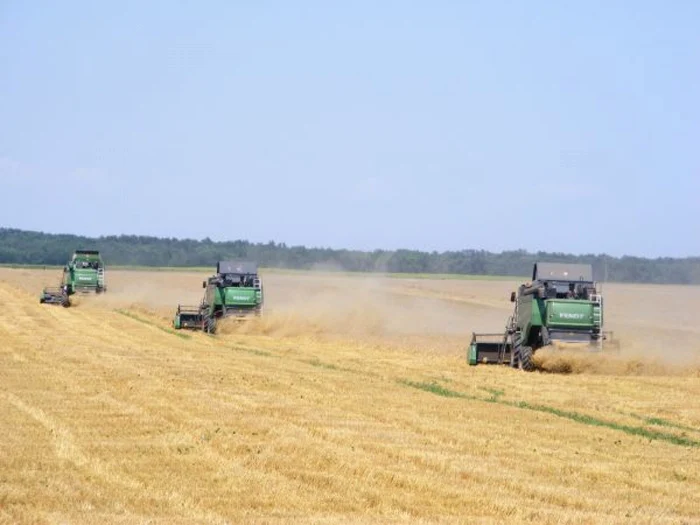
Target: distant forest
(25,247)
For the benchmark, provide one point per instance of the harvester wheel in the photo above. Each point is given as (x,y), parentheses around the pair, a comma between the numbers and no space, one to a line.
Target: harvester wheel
(515,351)
(525,359)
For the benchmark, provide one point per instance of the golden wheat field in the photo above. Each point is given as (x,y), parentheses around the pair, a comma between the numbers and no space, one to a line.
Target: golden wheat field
(350,401)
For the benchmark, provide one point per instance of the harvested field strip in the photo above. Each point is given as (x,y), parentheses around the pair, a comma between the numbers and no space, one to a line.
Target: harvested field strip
(439,390)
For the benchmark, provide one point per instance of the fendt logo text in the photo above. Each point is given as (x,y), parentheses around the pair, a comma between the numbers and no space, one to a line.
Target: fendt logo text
(566,315)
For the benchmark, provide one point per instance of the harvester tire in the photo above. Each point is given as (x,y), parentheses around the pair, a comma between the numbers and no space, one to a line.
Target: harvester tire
(525,358)
(515,355)
(515,350)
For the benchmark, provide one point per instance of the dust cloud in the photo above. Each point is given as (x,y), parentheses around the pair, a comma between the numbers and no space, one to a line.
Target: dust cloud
(623,363)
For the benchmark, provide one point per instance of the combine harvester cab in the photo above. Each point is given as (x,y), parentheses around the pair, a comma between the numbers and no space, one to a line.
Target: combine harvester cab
(561,306)
(83,274)
(235,291)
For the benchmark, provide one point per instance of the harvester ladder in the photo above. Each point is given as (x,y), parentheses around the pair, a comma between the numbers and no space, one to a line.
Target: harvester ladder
(597,301)
(101,277)
(506,335)
(257,283)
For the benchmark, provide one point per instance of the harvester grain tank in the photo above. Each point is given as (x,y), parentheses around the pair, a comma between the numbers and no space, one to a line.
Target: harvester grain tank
(236,290)
(562,304)
(84,273)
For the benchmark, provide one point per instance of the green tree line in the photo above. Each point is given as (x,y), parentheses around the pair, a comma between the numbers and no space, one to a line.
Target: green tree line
(27,247)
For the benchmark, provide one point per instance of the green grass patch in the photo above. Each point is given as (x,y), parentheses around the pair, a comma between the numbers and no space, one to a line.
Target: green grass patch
(330,366)
(170,331)
(435,388)
(250,350)
(495,394)
(584,419)
(320,364)
(657,421)
(589,420)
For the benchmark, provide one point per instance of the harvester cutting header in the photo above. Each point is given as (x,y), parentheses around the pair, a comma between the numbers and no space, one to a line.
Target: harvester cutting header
(562,303)
(235,290)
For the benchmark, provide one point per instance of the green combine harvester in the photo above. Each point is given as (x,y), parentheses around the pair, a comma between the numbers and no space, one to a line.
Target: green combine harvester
(562,304)
(84,274)
(235,291)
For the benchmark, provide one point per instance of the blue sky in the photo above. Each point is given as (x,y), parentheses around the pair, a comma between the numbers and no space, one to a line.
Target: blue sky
(571,127)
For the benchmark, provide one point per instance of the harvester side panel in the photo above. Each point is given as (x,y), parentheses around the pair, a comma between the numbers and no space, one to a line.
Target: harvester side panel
(569,314)
(530,317)
(235,301)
